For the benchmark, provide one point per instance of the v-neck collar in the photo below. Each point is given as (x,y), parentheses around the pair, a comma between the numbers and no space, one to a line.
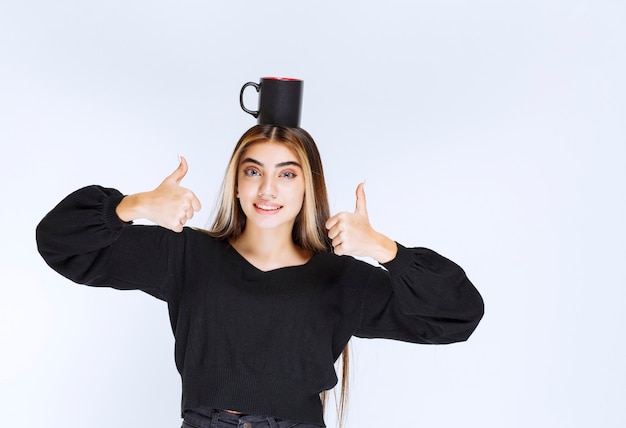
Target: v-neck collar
(251,269)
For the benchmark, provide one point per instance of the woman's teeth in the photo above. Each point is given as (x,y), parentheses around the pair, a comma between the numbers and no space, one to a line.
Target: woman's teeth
(267,207)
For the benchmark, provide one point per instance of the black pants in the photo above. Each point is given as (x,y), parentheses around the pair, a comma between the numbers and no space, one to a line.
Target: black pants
(221,419)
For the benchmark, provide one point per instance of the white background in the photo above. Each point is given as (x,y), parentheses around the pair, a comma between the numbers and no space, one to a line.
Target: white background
(491,131)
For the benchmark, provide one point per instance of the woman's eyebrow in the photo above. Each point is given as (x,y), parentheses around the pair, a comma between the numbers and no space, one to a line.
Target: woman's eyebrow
(278,165)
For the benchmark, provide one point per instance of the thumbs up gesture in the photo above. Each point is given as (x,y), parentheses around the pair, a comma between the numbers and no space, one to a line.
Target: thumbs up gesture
(352,234)
(169,205)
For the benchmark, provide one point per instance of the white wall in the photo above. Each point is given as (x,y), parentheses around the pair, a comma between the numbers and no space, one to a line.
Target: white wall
(490,131)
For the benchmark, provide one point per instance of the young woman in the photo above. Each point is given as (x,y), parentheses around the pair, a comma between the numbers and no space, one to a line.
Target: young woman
(264,303)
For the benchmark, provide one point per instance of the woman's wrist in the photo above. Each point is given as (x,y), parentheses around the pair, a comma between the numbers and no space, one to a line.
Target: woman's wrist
(128,209)
(386,249)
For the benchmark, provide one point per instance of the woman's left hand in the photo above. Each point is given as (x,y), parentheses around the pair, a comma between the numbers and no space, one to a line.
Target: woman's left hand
(352,234)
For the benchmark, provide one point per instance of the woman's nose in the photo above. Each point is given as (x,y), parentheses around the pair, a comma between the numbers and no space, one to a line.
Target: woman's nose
(267,190)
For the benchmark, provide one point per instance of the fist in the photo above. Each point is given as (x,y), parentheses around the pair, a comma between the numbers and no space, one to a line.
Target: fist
(352,234)
(169,205)
(172,205)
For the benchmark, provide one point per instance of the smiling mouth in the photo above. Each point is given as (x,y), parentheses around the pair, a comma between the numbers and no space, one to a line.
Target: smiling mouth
(267,208)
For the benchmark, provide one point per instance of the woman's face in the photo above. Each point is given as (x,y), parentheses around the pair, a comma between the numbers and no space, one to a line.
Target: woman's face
(270,186)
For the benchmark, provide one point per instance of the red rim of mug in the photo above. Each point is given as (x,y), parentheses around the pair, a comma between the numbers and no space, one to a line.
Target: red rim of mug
(280,78)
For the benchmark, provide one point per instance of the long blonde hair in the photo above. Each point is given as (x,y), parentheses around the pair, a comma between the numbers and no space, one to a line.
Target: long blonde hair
(309,230)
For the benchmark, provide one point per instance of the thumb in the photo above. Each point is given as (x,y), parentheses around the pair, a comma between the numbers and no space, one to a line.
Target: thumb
(361,202)
(180,172)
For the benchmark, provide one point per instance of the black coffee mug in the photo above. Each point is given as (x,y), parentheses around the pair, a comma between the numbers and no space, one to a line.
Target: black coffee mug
(280,101)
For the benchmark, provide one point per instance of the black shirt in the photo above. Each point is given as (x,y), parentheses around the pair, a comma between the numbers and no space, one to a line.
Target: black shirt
(254,341)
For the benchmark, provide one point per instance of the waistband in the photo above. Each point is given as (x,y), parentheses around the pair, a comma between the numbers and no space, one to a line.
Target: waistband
(216,418)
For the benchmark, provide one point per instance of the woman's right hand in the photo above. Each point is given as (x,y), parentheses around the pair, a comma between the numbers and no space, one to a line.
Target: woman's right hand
(169,205)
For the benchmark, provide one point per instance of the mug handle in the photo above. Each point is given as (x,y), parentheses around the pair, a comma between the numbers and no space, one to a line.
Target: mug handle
(258,88)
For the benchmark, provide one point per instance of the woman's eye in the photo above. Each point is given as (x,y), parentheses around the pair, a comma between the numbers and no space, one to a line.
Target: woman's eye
(250,172)
(288,174)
